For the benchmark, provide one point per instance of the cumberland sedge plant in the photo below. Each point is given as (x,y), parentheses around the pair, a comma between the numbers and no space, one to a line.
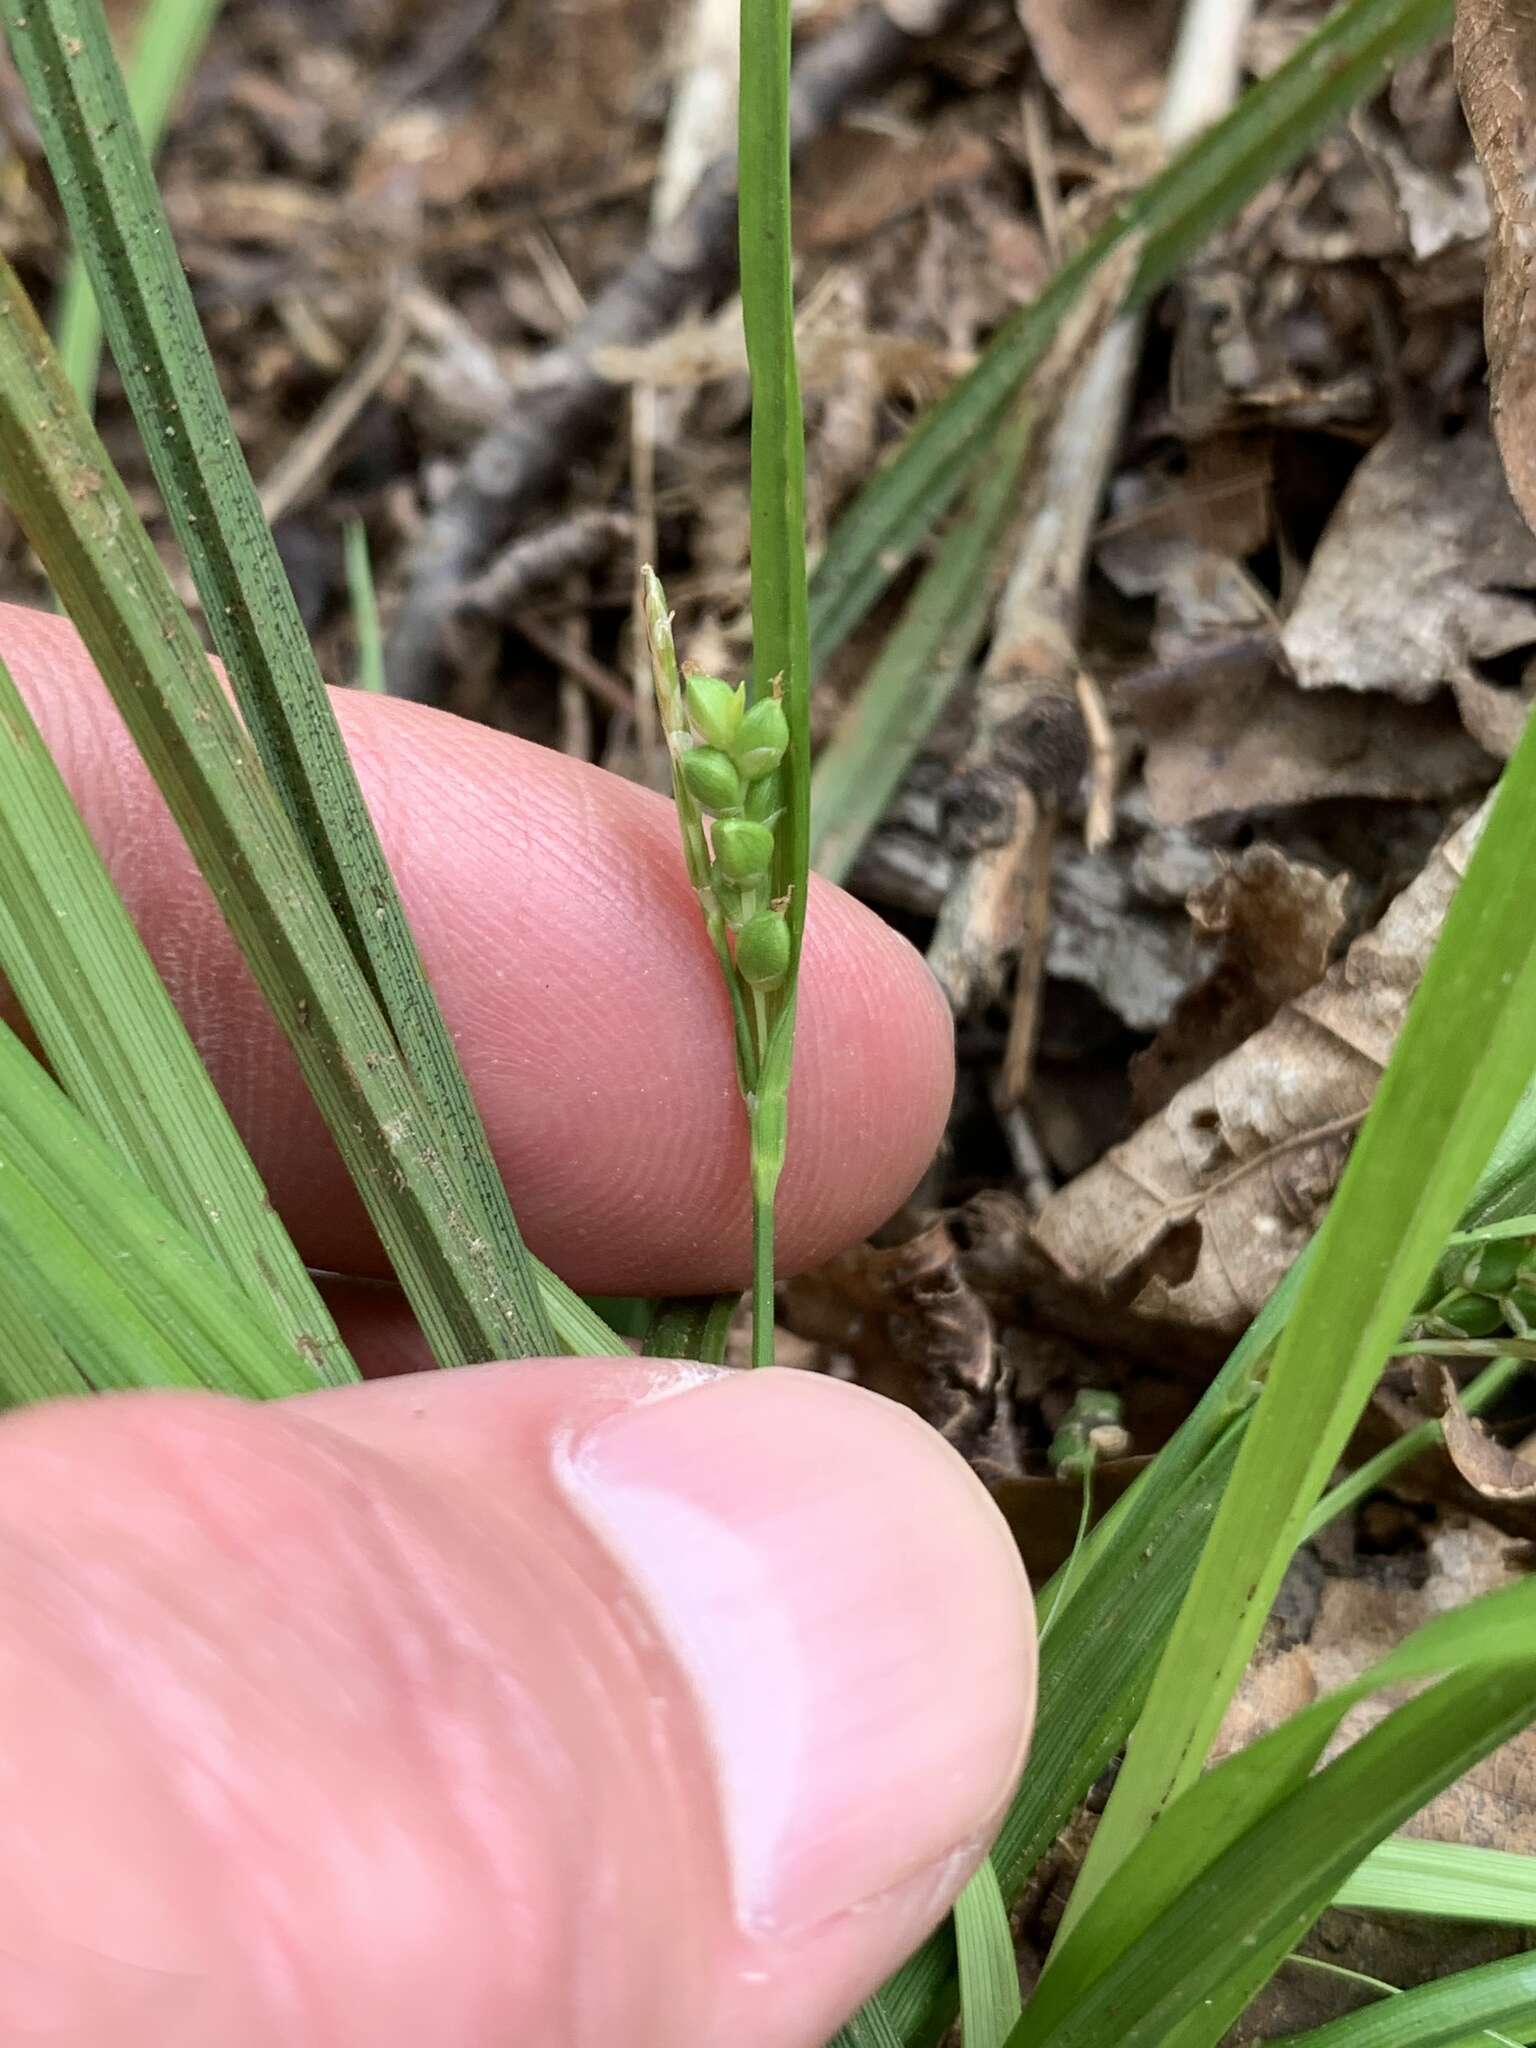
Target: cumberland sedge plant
(741,757)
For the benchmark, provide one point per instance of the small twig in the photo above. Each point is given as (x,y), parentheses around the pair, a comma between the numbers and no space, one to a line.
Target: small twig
(544,558)
(1103,764)
(574,660)
(304,460)
(525,458)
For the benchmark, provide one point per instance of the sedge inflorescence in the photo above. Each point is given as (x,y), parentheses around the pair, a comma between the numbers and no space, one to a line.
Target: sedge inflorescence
(731,769)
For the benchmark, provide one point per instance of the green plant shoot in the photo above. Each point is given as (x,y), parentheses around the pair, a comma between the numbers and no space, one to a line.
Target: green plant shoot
(741,756)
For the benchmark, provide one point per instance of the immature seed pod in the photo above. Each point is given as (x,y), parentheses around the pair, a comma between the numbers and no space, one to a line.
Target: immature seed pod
(1097,1407)
(1519,1307)
(765,798)
(762,950)
(743,849)
(1070,1454)
(715,709)
(1491,1266)
(712,779)
(761,739)
(1467,1315)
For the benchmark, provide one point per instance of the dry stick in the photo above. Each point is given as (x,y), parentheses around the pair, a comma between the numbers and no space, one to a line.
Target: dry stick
(1037,726)
(524,461)
(304,460)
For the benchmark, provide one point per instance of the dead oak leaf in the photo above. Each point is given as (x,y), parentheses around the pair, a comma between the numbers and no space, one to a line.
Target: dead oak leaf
(1425,568)
(1495,45)
(1196,1218)
(1103,59)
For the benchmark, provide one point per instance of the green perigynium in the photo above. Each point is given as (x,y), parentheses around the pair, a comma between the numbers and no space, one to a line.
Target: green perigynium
(712,778)
(762,739)
(762,950)
(743,849)
(715,709)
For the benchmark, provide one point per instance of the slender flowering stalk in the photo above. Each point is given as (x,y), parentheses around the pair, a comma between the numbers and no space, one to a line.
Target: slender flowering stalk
(728,782)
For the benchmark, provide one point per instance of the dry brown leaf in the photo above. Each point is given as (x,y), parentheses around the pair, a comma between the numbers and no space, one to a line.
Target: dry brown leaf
(857,181)
(1358,1620)
(1421,572)
(1226,732)
(910,1319)
(1196,1218)
(1104,59)
(1274,921)
(1496,1472)
(1495,47)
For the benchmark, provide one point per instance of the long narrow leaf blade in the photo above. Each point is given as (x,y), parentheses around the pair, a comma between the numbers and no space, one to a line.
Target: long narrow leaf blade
(1192,1922)
(129,1295)
(1497,1997)
(1446,1881)
(77,95)
(82,525)
(113,1037)
(988,1969)
(1455,1076)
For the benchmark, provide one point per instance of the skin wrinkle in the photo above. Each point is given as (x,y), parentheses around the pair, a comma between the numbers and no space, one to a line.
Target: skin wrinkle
(554,913)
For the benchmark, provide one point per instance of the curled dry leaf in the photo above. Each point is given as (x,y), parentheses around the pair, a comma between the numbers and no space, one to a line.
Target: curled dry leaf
(910,1319)
(1497,1473)
(1226,732)
(1495,46)
(1274,921)
(1104,59)
(1425,568)
(1196,1218)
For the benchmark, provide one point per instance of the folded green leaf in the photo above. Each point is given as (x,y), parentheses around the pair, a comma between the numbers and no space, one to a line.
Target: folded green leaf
(79,519)
(1453,2010)
(1445,1881)
(113,1037)
(1458,1070)
(988,1968)
(168,40)
(77,95)
(1199,1914)
(127,1294)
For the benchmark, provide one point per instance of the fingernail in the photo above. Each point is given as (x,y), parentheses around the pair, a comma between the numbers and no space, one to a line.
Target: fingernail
(851,1614)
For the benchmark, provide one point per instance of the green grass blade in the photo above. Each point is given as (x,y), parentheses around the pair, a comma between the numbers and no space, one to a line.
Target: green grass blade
(780,628)
(1191,1923)
(132,1298)
(1271,128)
(34,1366)
(113,1037)
(870,2027)
(1454,1079)
(83,527)
(366,629)
(1445,1881)
(862,765)
(692,1329)
(167,44)
(989,1972)
(77,95)
(1443,2014)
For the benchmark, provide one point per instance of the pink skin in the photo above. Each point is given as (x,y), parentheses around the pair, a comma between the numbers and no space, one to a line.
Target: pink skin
(564,1702)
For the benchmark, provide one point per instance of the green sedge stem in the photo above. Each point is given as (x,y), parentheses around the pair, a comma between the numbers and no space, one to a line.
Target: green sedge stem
(762,1280)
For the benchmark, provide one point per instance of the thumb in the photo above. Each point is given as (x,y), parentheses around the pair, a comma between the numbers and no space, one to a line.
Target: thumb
(561,1702)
